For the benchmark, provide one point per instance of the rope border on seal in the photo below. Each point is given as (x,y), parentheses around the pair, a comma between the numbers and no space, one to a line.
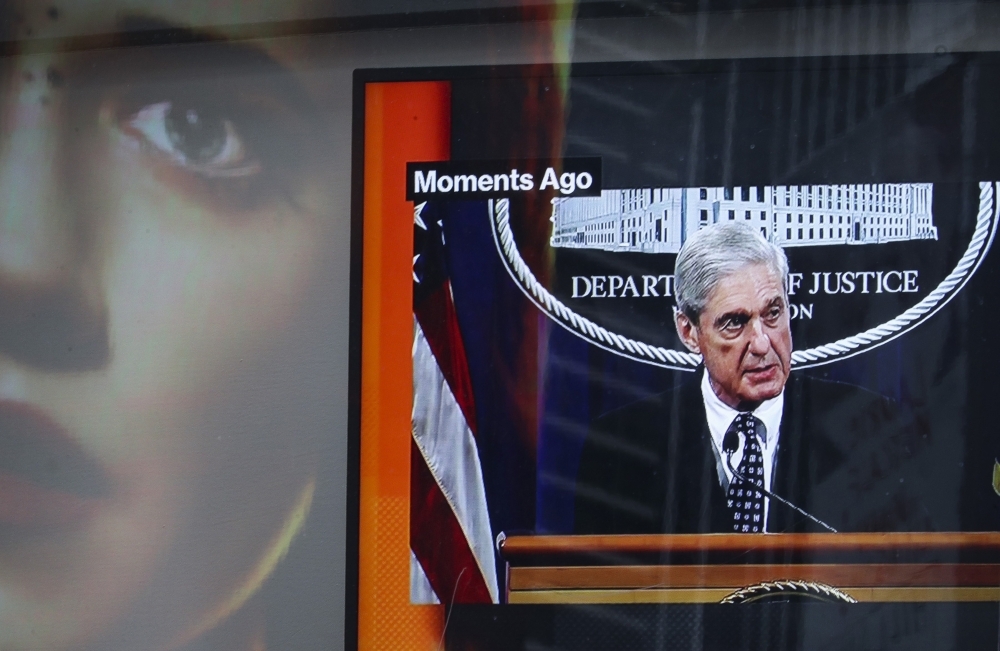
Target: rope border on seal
(979,245)
(789,587)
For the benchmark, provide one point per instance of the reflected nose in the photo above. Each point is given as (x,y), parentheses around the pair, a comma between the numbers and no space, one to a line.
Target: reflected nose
(51,317)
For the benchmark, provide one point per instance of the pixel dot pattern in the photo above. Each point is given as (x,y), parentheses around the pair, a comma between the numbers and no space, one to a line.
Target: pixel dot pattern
(397,622)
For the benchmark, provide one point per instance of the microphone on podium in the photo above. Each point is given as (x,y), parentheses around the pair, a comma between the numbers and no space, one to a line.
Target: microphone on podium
(730,443)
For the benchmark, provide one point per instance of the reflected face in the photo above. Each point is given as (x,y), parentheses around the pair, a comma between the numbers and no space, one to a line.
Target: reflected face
(163,213)
(744,336)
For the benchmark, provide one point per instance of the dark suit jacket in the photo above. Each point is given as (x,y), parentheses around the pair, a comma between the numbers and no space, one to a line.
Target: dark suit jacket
(649,467)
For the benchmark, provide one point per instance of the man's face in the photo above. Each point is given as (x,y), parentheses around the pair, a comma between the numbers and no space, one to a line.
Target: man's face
(744,336)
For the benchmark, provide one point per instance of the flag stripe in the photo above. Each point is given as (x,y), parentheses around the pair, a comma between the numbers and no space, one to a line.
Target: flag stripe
(444,441)
(438,542)
(437,317)
(421,591)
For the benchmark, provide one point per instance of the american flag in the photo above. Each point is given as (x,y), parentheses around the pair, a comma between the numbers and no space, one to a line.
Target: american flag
(451,543)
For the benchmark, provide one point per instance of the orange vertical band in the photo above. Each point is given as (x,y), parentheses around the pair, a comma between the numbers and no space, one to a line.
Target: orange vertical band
(404,122)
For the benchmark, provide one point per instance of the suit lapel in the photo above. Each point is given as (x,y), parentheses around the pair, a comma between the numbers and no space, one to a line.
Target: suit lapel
(786,472)
(695,501)
(798,458)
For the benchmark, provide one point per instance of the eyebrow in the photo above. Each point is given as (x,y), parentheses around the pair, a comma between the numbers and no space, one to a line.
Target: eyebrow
(138,30)
(217,53)
(134,30)
(215,64)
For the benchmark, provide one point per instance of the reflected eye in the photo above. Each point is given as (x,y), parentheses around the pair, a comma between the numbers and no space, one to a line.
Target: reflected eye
(195,138)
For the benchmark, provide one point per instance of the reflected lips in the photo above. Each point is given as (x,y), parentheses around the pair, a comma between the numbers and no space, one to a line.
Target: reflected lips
(46,478)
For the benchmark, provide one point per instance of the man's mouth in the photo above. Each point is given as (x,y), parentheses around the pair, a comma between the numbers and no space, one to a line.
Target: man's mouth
(46,478)
(763,373)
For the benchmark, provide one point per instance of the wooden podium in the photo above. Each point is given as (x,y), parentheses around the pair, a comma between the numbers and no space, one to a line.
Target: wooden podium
(896,567)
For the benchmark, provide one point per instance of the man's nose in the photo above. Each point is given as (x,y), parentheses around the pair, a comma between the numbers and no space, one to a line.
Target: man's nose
(760,343)
(51,314)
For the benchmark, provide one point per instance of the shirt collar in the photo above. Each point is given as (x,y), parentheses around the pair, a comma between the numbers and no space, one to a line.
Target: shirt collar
(720,415)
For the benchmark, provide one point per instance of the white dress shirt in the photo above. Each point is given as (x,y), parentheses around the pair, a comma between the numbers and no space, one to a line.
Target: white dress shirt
(720,416)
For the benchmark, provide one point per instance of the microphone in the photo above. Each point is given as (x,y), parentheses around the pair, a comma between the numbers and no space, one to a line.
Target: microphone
(729,445)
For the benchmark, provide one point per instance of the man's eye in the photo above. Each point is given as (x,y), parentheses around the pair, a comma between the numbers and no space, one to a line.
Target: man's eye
(195,138)
(773,313)
(733,323)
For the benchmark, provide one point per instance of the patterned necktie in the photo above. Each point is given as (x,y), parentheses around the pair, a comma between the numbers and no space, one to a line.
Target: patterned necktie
(745,502)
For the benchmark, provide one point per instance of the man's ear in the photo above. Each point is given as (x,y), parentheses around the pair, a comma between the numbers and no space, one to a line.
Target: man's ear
(687,331)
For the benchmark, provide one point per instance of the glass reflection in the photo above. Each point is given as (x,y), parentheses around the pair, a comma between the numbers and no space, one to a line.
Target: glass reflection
(164,214)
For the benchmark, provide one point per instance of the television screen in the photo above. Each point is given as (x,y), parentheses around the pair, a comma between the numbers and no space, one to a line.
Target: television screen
(636,339)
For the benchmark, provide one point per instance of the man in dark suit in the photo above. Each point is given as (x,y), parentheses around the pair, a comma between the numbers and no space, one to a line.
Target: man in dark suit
(695,460)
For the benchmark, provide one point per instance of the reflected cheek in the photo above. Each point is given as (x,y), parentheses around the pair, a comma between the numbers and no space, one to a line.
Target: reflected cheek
(190,292)
(194,302)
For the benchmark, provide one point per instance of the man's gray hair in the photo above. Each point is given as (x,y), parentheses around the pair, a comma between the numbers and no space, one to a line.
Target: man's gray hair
(715,252)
